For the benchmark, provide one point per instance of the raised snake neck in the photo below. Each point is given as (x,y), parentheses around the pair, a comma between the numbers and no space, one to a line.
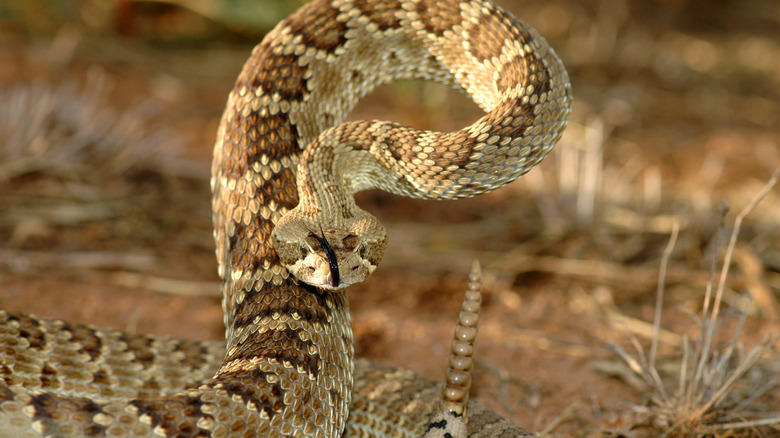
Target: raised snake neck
(288,368)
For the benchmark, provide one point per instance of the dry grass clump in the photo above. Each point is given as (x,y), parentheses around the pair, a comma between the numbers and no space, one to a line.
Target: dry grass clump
(714,394)
(67,158)
(69,132)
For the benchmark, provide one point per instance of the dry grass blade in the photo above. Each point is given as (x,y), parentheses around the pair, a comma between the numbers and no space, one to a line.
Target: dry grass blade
(564,416)
(733,241)
(744,365)
(659,296)
(39,261)
(750,424)
(171,286)
(630,360)
(707,400)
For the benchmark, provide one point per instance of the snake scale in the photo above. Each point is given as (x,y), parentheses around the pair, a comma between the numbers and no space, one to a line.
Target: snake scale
(283,175)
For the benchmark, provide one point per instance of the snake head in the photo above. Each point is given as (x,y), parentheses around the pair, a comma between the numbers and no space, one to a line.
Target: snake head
(330,258)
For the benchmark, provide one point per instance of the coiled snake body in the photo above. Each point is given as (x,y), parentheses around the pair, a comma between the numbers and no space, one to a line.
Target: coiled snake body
(288,368)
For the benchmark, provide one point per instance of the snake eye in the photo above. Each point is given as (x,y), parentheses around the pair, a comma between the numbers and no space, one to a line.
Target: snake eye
(362,251)
(304,250)
(350,242)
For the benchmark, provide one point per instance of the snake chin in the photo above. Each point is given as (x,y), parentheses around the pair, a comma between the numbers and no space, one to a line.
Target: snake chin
(330,258)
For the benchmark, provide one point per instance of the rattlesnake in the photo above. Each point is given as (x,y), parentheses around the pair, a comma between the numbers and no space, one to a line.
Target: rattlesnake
(288,368)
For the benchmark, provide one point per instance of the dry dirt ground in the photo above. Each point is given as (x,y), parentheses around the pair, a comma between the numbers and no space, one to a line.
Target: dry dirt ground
(677,108)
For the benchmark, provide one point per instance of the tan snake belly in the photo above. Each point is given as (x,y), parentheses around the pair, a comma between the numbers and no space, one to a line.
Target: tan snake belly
(288,368)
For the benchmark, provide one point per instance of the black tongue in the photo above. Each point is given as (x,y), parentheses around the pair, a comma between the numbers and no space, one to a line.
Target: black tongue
(332,262)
